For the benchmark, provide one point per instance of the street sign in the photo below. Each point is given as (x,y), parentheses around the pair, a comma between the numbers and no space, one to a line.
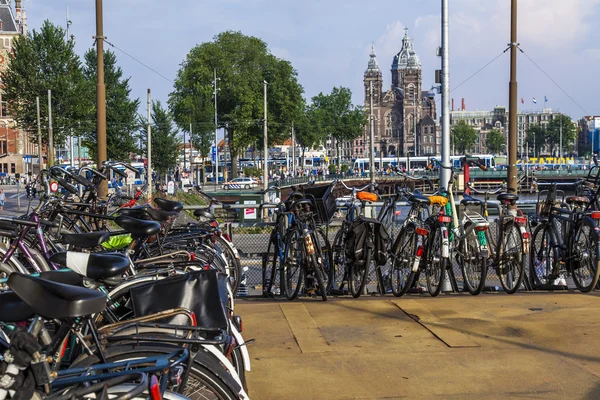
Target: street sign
(250,213)
(171,188)
(213,153)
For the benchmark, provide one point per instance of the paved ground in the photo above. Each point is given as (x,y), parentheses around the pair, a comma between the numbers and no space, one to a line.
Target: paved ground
(493,346)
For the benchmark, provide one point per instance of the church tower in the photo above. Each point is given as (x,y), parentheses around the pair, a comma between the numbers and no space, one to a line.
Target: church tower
(373,74)
(406,82)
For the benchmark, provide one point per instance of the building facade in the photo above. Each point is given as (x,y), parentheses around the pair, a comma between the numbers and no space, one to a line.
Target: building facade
(403,115)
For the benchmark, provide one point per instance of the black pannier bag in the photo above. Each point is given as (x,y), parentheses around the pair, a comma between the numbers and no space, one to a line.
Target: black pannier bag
(203,292)
(357,239)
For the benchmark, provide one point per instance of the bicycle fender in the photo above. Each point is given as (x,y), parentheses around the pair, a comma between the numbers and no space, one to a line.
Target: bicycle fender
(445,242)
(525,239)
(211,364)
(229,368)
(242,345)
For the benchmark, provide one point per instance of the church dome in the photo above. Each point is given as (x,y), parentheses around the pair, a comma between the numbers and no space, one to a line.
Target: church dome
(373,64)
(407,58)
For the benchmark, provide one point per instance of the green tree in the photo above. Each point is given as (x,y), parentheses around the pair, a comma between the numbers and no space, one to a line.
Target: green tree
(41,61)
(536,138)
(242,63)
(569,134)
(334,115)
(464,137)
(495,141)
(121,111)
(165,143)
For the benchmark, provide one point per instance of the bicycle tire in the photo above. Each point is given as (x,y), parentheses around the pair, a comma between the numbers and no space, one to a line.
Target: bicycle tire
(220,383)
(511,277)
(233,263)
(361,273)
(543,254)
(270,265)
(404,250)
(340,261)
(584,255)
(436,264)
(327,255)
(293,265)
(472,264)
(319,274)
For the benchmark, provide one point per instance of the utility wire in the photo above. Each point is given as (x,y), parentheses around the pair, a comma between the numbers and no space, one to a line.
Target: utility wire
(480,69)
(553,81)
(135,59)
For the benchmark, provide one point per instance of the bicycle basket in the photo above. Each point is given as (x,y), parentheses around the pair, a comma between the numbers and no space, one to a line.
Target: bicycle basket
(202,292)
(544,208)
(323,201)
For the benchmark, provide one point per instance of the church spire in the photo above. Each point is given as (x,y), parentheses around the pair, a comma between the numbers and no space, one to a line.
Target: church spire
(373,65)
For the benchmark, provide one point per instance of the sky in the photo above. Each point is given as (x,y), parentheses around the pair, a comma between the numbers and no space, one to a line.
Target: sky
(328,42)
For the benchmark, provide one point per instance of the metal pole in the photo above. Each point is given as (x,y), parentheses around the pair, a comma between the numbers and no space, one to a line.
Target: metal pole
(149,166)
(444,173)
(184,149)
(100,97)
(371,137)
(216,166)
(71,149)
(293,164)
(265,152)
(415,129)
(79,151)
(561,147)
(50,138)
(512,178)
(40,155)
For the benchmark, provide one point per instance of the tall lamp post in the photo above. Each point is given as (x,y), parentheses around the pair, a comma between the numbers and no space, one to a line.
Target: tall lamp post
(265,153)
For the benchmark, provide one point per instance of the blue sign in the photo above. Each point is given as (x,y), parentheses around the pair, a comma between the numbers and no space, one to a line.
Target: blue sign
(214,153)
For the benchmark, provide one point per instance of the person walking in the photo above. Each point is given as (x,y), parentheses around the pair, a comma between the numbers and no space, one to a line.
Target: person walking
(2,199)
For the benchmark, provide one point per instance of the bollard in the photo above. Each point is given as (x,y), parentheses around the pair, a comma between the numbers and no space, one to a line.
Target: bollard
(446,284)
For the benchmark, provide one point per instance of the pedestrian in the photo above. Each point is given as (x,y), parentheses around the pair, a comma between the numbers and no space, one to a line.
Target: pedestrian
(2,199)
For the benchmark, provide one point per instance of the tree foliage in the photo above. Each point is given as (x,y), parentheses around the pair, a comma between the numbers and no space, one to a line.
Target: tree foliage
(463,137)
(536,138)
(495,141)
(569,134)
(165,143)
(121,111)
(41,61)
(242,64)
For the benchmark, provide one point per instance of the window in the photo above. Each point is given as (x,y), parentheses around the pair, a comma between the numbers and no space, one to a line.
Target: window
(12,168)
(5,168)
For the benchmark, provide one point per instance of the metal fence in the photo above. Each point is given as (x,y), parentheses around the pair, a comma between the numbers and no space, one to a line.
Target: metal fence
(252,238)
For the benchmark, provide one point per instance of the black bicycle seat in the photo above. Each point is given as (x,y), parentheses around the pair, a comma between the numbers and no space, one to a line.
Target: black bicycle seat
(137,227)
(507,197)
(160,215)
(93,266)
(203,214)
(56,300)
(418,198)
(86,240)
(137,212)
(65,276)
(168,205)
(13,309)
(470,201)
(579,200)
(300,202)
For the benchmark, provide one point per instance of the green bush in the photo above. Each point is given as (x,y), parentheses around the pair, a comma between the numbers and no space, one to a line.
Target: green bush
(344,168)
(332,168)
(252,171)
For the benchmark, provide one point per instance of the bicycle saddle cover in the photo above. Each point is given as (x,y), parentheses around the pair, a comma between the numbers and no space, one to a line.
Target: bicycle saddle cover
(13,309)
(168,205)
(137,227)
(56,300)
(93,266)
(86,240)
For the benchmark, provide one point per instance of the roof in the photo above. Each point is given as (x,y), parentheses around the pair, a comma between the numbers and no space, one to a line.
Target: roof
(8,19)
(407,58)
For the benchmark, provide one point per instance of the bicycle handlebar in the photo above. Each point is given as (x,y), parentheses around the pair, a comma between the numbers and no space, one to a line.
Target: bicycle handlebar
(484,192)
(352,187)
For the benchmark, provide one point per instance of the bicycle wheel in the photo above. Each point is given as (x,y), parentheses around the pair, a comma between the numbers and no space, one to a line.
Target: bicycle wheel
(321,262)
(326,251)
(544,254)
(584,255)
(233,262)
(293,265)
(271,263)
(404,252)
(512,260)
(359,272)
(340,261)
(473,263)
(319,273)
(435,269)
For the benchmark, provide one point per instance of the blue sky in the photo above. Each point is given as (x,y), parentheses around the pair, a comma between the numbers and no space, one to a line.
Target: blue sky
(328,42)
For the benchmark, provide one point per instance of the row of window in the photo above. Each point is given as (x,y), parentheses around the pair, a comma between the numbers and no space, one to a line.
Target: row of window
(13,168)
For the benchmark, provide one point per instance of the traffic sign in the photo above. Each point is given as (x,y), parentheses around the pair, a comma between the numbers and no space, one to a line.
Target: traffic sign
(214,153)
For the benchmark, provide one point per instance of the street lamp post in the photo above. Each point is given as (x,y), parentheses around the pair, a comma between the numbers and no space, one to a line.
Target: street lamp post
(265,153)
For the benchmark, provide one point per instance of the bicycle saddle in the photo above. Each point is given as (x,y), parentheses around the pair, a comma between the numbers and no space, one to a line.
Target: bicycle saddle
(203,214)
(578,200)
(470,201)
(65,276)
(56,300)
(86,240)
(168,205)
(137,227)
(418,198)
(137,212)
(13,309)
(300,202)
(507,197)
(160,215)
(93,266)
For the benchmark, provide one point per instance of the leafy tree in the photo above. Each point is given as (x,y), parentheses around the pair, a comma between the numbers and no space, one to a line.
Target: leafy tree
(242,64)
(569,134)
(121,111)
(536,138)
(495,141)
(464,137)
(41,61)
(165,143)
(334,115)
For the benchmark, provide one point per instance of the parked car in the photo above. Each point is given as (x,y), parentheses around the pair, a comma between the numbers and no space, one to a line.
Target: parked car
(240,183)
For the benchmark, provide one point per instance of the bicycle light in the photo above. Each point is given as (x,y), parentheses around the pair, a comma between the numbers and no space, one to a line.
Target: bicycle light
(445,218)
(595,215)
(422,231)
